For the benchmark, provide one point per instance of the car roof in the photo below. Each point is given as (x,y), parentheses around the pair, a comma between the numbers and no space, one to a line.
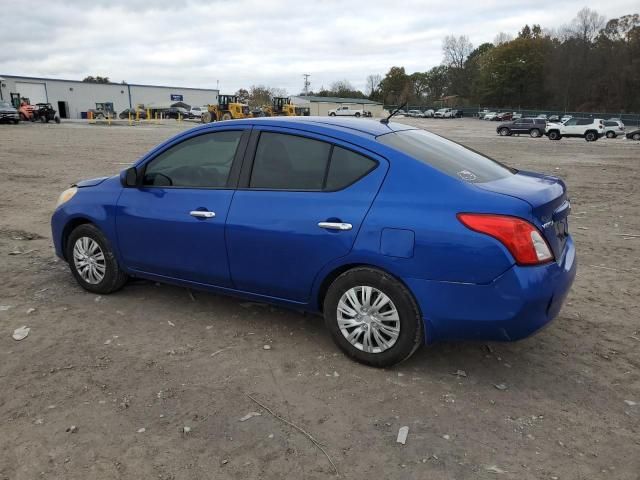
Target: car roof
(360,125)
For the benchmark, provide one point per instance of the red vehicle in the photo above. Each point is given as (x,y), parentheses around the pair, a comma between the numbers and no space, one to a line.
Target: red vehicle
(503,117)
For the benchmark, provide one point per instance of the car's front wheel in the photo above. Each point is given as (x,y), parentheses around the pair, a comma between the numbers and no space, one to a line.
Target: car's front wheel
(635,136)
(554,135)
(372,317)
(92,261)
(504,131)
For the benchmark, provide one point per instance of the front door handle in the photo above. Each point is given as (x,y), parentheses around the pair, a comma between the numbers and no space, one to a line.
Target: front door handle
(202,214)
(335,225)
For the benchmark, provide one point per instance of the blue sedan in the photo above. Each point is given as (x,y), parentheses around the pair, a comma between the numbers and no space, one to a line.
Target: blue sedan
(397,236)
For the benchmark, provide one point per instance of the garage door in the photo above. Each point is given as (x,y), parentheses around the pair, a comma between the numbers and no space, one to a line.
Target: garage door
(35,92)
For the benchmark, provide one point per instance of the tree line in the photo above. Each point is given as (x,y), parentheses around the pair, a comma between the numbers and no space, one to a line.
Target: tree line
(589,64)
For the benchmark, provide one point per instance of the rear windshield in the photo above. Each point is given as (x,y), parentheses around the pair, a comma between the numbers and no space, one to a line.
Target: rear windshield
(447,156)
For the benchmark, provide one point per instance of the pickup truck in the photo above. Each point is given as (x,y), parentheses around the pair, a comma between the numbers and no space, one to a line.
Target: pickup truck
(346,111)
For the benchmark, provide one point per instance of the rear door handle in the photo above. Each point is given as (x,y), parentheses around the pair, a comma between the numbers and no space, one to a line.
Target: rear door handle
(335,225)
(202,214)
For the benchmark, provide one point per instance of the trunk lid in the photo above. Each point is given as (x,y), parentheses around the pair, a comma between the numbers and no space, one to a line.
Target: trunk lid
(547,196)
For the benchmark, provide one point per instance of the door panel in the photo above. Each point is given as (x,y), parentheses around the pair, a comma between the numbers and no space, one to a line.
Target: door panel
(157,233)
(275,244)
(173,223)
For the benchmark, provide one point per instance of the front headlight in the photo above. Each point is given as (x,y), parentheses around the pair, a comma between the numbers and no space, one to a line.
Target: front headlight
(66,195)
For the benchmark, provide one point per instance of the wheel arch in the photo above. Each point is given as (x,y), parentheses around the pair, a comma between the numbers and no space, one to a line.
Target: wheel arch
(70,226)
(328,279)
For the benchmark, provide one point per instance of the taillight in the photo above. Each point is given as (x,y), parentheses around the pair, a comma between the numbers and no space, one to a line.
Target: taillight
(522,239)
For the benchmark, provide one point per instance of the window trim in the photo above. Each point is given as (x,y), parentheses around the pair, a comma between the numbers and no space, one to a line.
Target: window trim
(244,182)
(234,171)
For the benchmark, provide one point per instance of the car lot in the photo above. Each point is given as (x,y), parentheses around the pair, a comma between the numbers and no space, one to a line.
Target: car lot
(161,358)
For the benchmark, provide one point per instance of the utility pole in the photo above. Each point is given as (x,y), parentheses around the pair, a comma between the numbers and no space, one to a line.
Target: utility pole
(306,83)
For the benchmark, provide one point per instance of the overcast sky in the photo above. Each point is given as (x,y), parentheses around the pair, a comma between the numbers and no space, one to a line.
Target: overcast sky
(252,42)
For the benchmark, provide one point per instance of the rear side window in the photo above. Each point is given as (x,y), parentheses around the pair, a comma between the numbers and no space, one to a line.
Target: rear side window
(288,162)
(447,156)
(198,162)
(610,124)
(346,168)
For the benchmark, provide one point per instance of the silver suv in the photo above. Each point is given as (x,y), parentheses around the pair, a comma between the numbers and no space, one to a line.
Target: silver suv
(613,128)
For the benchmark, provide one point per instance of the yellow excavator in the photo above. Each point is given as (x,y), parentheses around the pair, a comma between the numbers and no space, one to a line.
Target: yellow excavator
(227,108)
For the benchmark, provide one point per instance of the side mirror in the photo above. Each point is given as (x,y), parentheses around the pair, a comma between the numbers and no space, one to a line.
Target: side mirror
(130,178)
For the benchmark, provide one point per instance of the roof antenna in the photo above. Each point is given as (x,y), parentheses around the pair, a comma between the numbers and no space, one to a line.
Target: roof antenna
(385,121)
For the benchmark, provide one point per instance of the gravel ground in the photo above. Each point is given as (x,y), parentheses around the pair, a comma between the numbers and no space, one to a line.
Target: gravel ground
(103,387)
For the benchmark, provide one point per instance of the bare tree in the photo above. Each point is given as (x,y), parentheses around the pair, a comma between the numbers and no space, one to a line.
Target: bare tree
(586,25)
(373,83)
(456,50)
(501,38)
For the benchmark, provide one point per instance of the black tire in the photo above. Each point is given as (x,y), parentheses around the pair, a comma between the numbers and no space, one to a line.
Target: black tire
(114,278)
(357,114)
(554,135)
(226,116)
(332,114)
(56,119)
(611,135)
(16,122)
(590,136)
(411,334)
(534,133)
(635,136)
(504,132)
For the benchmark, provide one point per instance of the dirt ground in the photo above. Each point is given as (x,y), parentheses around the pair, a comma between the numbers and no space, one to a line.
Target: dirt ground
(152,357)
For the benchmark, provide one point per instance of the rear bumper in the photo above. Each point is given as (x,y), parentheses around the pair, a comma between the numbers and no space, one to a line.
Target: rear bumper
(515,305)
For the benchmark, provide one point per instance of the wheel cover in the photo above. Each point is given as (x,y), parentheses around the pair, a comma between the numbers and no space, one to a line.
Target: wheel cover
(89,260)
(368,319)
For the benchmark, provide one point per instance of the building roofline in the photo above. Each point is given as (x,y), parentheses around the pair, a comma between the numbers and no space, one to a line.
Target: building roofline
(108,83)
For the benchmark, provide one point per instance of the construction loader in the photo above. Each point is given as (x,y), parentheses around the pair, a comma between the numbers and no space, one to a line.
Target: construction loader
(228,108)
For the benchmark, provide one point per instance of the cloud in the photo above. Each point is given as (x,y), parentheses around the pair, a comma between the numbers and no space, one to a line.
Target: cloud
(245,42)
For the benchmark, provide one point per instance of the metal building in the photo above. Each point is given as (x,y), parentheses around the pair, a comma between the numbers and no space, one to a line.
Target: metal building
(321,105)
(72,97)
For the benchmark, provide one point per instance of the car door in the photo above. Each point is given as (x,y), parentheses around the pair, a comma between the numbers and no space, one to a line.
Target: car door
(172,223)
(299,205)
(570,127)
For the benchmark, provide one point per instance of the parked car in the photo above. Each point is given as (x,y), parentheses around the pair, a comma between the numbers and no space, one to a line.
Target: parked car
(489,116)
(429,113)
(347,111)
(553,118)
(443,113)
(142,114)
(543,116)
(482,113)
(516,116)
(458,113)
(175,112)
(634,134)
(588,128)
(398,236)
(535,127)
(565,118)
(196,112)
(503,117)
(8,114)
(415,114)
(613,128)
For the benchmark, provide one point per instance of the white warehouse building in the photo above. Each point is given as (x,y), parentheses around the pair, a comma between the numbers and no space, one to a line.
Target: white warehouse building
(73,97)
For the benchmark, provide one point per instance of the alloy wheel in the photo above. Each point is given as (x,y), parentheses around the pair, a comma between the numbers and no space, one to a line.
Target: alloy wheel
(89,260)
(368,319)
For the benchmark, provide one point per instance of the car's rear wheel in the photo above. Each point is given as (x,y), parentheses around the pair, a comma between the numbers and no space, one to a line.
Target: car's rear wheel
(611,135)
(357,114)
(590,136)
(534,133)
(372,317)
(635,136)
(332,114)
(92,261)
(504,131)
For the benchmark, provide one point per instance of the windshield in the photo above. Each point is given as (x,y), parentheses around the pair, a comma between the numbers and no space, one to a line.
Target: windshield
(449,157)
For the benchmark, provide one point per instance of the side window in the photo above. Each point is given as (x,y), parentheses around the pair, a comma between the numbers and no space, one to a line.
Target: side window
(346,167)
(289,162)
(527,121)
(198,162)
(571,122)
